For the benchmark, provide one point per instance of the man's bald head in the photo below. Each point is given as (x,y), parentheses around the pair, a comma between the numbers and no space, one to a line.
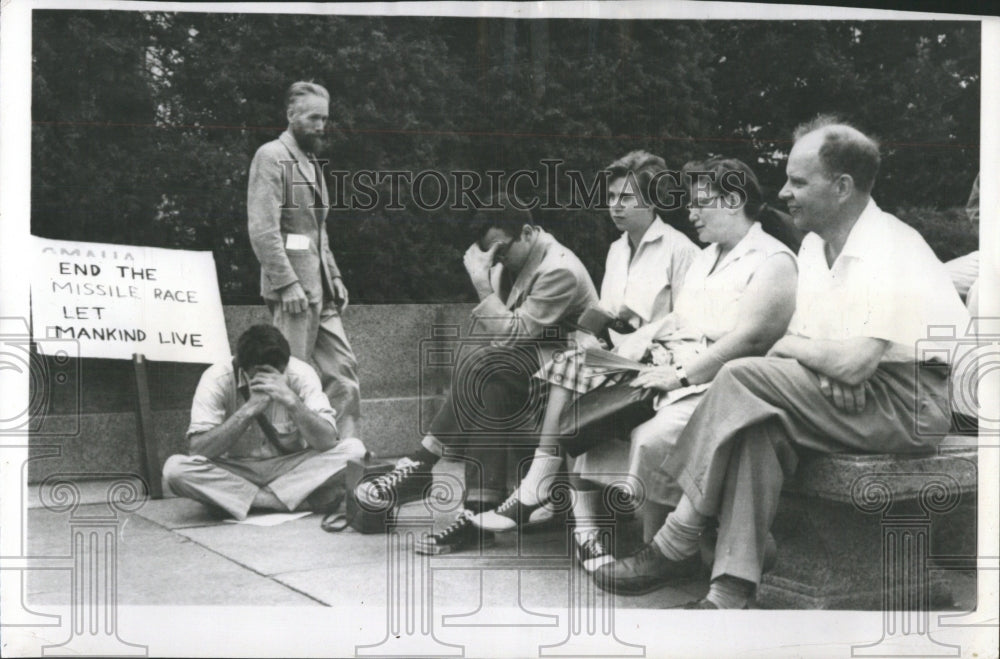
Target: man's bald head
(842,149)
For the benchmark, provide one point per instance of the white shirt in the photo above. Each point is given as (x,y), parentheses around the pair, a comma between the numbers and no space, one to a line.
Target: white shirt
(709,304)
(885,284)
(642,287)
(217,398)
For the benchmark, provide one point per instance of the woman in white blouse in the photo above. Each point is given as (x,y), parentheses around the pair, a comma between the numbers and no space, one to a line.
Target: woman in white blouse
(737,299)
(644,270)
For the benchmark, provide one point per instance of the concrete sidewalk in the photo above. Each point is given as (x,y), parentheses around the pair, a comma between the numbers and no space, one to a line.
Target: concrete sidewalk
(175,552)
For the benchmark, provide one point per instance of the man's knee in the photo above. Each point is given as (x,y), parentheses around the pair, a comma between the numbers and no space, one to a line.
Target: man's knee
(746,372)
(349,449)
(176,468)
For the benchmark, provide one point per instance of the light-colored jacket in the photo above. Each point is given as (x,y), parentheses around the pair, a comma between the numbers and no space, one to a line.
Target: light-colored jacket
(542,304)
(281,202)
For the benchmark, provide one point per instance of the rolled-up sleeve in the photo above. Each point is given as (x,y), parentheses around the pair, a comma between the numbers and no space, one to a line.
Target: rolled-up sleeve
(208,408)
(307,386)
(546,305)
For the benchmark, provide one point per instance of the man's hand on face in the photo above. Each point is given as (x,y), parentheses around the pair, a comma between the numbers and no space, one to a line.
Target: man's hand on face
(293,298)
(271,382)
(478,263)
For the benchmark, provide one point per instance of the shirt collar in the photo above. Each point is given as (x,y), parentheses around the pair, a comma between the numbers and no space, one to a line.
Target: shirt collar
(242,379)
(864,240)
(538,250)
(747,244)
(657,229)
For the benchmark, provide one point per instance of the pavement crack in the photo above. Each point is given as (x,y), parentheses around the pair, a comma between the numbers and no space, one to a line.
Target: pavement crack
(269,577)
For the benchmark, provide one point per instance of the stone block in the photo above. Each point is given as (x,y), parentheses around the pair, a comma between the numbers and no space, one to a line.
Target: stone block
(96,444)
(392,425)
(846,521)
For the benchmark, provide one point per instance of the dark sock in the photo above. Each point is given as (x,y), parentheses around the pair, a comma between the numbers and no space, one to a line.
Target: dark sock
(425,457)
(728,592)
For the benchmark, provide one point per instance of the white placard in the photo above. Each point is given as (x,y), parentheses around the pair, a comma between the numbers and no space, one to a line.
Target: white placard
(116,300)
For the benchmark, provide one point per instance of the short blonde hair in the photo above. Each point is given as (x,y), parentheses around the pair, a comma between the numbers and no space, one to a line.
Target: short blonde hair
(302,89)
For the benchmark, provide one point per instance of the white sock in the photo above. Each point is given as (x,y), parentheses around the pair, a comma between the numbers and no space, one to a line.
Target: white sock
(585,511)
(678,538)
(536,483)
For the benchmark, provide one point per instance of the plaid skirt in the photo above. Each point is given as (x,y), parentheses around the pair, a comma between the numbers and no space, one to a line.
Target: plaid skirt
(566,369)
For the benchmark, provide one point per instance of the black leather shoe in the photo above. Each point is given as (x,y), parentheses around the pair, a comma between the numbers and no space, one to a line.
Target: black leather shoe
(706,604)
(645,571)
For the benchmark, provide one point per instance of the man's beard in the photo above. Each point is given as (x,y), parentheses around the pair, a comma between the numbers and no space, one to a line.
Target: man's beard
(308,142)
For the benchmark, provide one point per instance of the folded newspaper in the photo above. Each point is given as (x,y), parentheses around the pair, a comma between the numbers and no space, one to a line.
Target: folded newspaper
(611,362)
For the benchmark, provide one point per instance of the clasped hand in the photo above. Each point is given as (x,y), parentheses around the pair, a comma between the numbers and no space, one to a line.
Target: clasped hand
(268,384)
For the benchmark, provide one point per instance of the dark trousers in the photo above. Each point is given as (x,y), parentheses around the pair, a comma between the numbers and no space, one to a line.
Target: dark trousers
(491,418)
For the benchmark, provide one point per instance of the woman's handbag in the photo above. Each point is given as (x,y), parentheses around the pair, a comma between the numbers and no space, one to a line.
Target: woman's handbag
(609,411)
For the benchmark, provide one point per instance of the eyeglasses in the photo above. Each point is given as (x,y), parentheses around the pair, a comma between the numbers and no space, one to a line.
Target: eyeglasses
(703,203)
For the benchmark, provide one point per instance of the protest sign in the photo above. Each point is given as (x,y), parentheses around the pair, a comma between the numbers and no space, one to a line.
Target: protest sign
(119,300)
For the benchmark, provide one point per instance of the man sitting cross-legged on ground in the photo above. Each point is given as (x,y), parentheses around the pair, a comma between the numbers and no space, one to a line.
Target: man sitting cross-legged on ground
(263,435)
(528,285)
(845,379)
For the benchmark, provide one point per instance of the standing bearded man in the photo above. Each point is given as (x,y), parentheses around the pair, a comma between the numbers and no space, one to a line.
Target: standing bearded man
(287,205)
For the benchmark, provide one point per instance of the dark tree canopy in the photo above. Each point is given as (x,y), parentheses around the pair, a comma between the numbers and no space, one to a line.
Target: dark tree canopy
(145,123)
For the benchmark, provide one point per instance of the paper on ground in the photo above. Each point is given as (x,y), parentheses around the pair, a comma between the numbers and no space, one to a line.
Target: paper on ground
(269,519)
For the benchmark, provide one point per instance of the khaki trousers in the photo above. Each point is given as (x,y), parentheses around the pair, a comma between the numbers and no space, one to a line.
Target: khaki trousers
(743,440)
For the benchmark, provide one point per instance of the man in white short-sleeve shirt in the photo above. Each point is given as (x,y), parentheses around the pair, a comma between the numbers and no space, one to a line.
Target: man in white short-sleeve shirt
(262,435)
(847,377)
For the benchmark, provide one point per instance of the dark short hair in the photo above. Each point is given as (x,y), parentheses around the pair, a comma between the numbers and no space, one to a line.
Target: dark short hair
(728,175)
(500,213)
(845,150)
(262,345)
(645,168)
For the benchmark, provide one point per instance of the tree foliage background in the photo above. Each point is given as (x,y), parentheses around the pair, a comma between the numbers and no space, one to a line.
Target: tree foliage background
(144,124)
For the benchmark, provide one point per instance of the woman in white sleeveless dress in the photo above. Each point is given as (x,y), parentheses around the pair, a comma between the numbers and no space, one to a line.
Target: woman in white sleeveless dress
(737,299)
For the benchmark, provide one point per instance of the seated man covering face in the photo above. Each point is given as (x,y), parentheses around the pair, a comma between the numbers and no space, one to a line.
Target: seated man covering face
(263,435)
(847,377)
(531,290)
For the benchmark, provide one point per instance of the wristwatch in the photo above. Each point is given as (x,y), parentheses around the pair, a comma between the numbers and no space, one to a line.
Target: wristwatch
(682,376)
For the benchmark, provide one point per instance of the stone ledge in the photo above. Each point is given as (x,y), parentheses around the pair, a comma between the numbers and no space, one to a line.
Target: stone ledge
(832,477)
(845,521)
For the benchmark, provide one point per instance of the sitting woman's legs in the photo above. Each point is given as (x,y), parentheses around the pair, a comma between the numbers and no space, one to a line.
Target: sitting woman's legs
(651,443)
(547,458)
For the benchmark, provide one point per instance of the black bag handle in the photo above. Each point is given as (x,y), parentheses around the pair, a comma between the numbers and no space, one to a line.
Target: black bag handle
(336,522)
